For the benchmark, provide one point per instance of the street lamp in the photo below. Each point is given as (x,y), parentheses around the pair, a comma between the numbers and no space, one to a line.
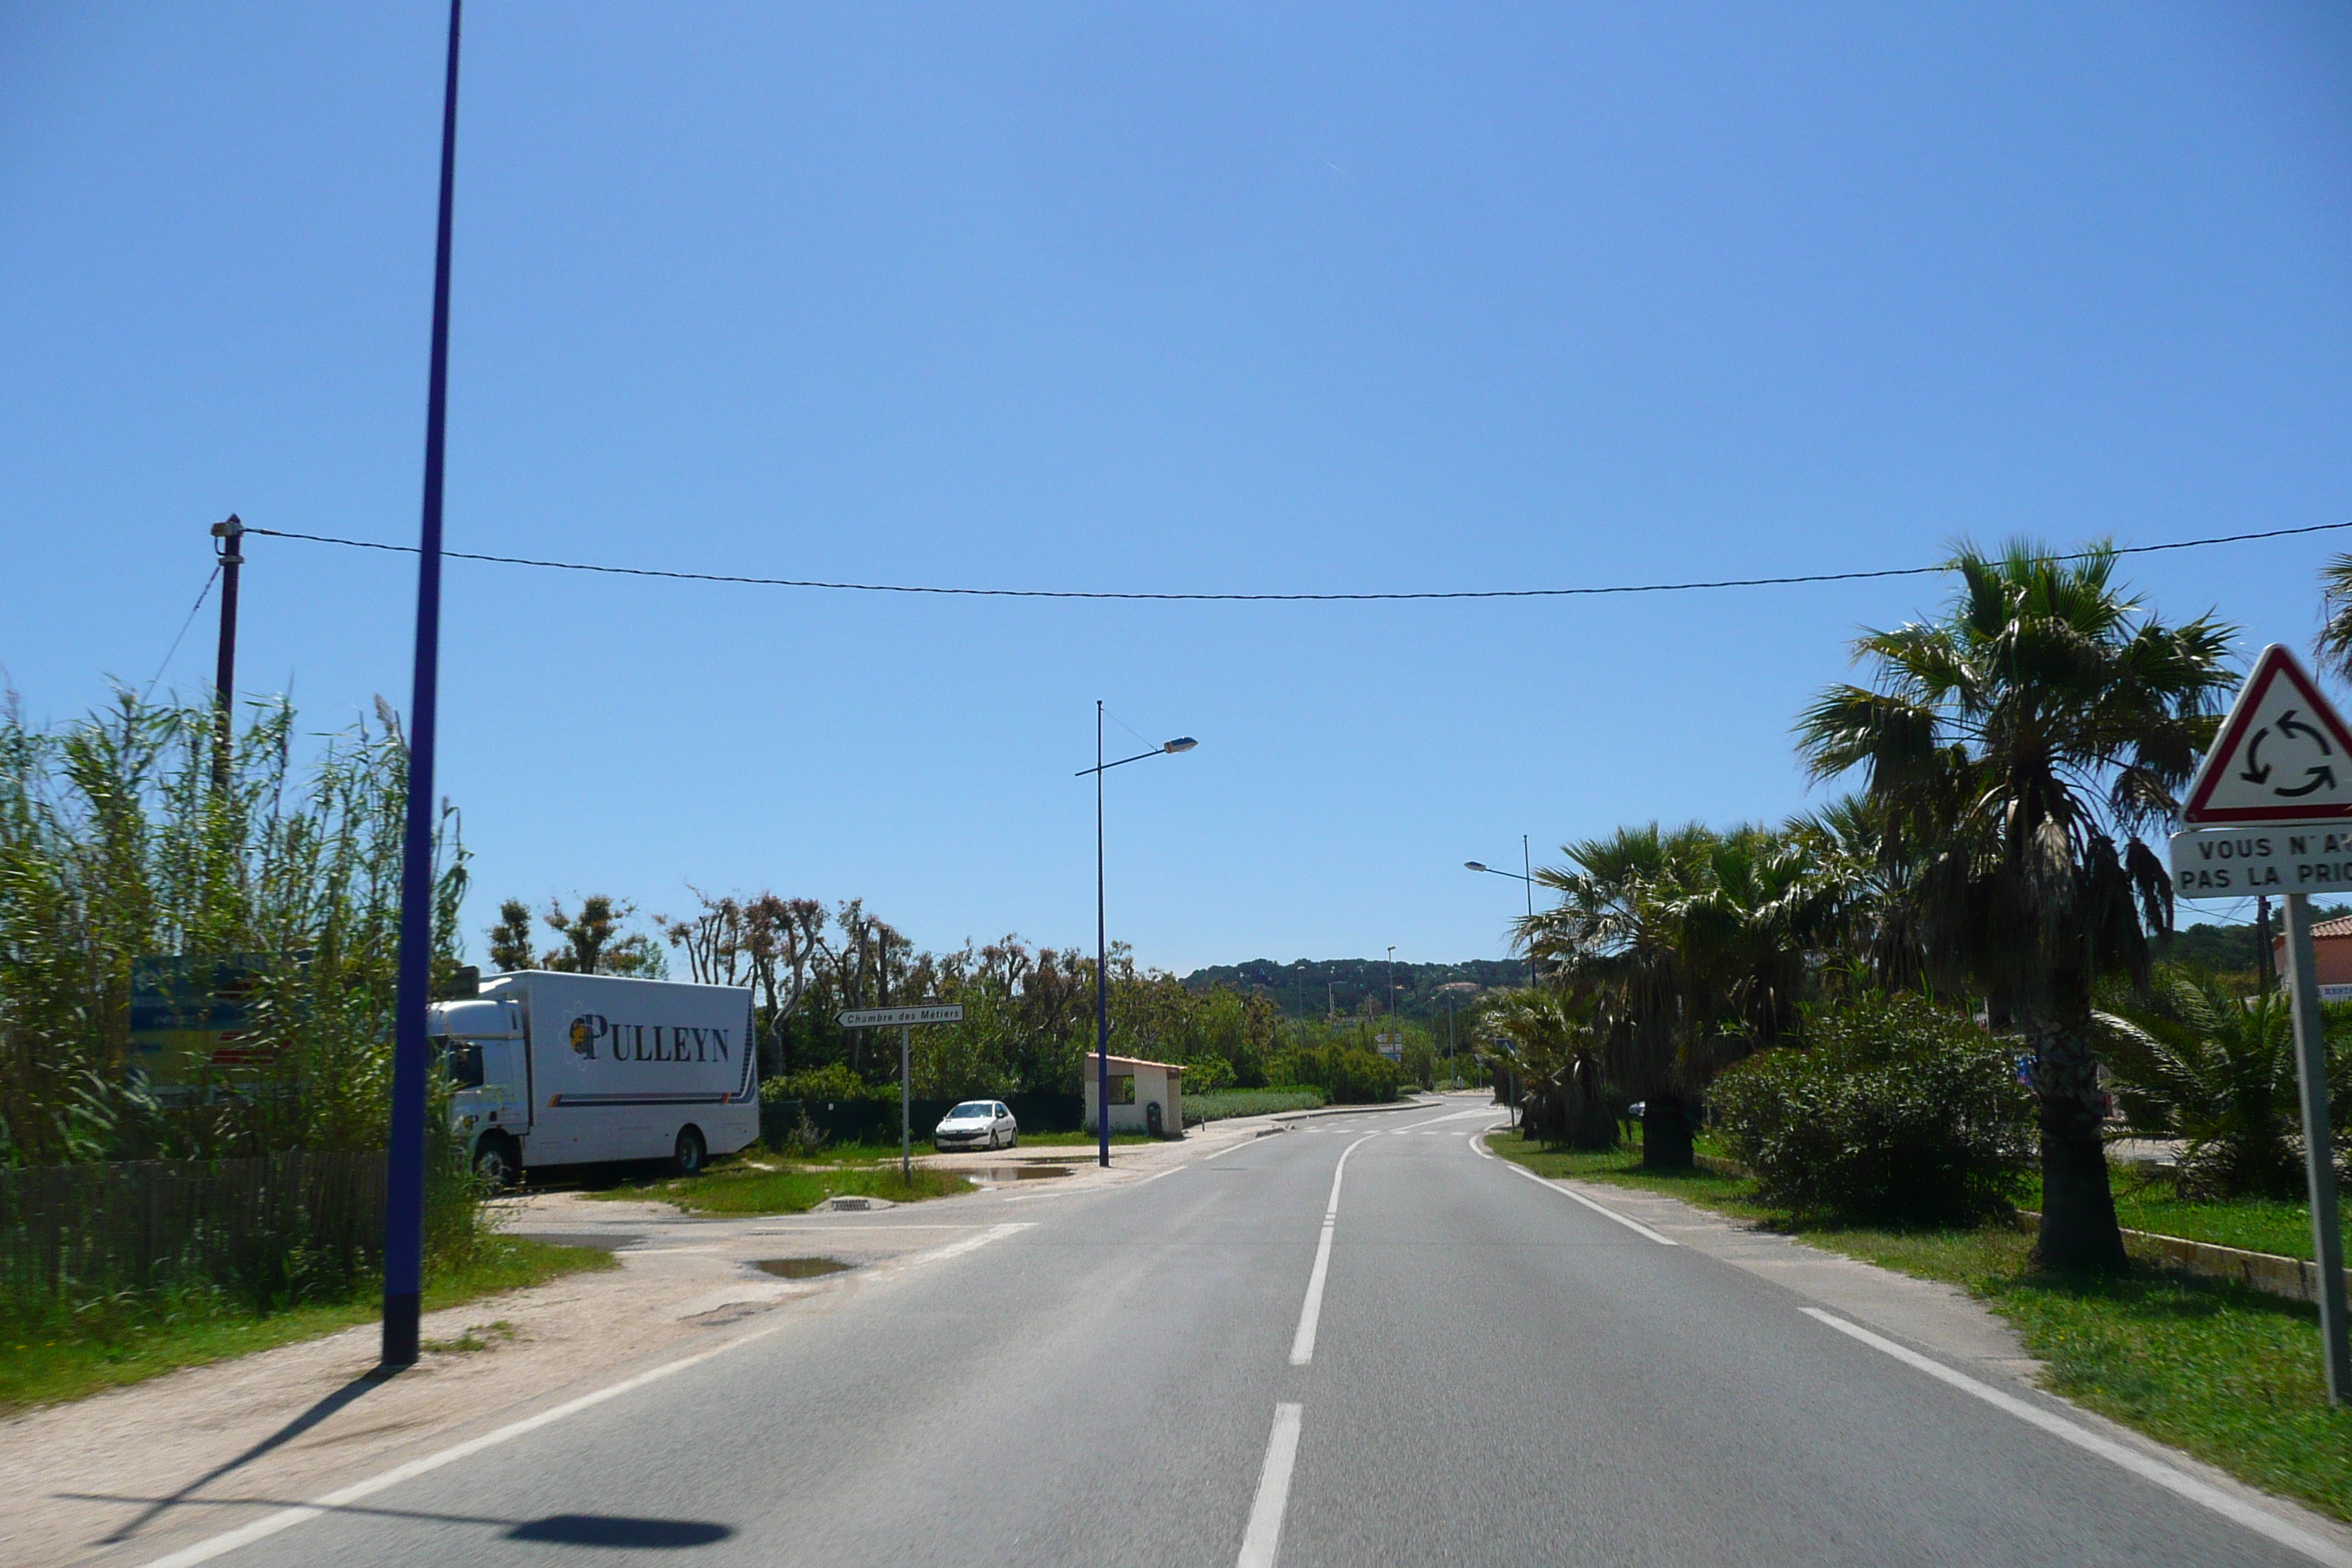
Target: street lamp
(1102,941)
(1525,860)
(403,1177)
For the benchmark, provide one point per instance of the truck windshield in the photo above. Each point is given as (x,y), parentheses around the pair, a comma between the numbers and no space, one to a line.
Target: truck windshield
(461,1059)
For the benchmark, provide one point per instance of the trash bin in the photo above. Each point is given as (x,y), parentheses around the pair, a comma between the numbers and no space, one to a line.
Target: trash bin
(1151,1122)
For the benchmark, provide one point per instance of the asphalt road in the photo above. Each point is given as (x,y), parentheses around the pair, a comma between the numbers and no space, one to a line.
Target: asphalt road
(1498,1374)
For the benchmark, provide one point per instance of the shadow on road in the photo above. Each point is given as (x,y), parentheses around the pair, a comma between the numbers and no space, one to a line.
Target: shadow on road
(284,1435)
(614,1530)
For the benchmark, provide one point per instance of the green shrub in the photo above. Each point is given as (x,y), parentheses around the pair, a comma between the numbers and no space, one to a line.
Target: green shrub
(824,1086)
(1893,1112)
(1207,1074)
(1349,1077)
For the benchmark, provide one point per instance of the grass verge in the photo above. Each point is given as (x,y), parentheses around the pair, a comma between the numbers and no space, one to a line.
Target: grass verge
(71,1355)
(2256,1224)
(770,1187)
(2229,1374)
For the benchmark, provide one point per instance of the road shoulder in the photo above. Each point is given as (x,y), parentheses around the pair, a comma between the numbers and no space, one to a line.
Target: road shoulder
(1937,1319)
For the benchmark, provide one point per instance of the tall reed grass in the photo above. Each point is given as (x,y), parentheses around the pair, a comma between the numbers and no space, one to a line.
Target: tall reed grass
(238,1180)
(117,846)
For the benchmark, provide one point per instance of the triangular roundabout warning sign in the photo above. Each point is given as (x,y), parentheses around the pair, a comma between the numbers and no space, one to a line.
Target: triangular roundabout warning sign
(2283,755)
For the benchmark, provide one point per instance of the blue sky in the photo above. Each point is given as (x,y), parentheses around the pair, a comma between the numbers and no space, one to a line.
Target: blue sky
(1179,298)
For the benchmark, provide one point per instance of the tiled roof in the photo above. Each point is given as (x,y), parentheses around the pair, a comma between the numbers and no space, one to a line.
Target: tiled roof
(2340,926)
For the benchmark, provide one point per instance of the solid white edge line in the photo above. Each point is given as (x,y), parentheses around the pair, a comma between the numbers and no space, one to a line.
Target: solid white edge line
(2145,1466)
(1601,1209)
(1263,1537)
(269,1524)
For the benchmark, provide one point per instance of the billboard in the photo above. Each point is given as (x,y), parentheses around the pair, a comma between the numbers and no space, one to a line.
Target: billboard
(190,1019)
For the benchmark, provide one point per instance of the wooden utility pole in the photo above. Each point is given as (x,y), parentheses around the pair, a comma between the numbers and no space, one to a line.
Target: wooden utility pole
(232,532)
(2265,966)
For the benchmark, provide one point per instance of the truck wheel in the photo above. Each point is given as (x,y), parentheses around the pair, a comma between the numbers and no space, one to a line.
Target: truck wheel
(691,1151)
(496,1160)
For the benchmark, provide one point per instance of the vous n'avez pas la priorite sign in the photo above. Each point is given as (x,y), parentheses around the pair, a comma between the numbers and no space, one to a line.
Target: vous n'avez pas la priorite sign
(2271,809)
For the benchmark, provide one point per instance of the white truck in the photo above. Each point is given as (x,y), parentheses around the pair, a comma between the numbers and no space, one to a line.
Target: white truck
(563,1070)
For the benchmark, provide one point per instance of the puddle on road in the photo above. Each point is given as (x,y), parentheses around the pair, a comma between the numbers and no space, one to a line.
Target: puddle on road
(801,1268)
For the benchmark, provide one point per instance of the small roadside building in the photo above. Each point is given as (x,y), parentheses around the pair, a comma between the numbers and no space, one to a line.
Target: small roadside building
(1145,1097)
(2331,954)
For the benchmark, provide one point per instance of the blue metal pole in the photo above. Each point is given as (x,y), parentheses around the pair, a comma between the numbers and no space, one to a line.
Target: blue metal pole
(1102,963)
(404,1216)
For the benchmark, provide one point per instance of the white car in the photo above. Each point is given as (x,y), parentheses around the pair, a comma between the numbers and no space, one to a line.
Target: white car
(977,1124)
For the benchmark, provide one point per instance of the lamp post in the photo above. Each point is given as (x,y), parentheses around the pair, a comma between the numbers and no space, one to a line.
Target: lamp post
(1528,878)
(403,1205)
(1102,941)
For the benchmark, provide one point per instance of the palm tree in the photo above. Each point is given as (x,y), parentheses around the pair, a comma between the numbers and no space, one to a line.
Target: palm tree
(1697,946)
(1608,935)
(2217,1071)
(2334,644)
(1868,918)
(2010,744)
(1546,1037)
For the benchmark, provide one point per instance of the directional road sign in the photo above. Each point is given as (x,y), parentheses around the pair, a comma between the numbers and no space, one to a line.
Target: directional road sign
(2239,862)
(2282,754)
(893,1017)
(2271,811)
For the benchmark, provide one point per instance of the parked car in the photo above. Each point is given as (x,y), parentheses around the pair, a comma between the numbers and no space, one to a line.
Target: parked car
(977,1124)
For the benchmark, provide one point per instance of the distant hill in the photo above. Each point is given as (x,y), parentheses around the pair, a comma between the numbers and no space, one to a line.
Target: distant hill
(2231,947)
(1309,986)
(1306,987)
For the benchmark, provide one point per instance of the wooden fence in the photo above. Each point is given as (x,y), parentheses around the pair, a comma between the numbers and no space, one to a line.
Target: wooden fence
(280,1228)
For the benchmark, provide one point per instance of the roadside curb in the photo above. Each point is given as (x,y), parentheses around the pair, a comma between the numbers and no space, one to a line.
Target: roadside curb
(2273,1273)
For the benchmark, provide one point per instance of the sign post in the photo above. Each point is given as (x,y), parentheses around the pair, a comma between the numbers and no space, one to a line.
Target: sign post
(2270,810)
(906,1018)
(2318,1148)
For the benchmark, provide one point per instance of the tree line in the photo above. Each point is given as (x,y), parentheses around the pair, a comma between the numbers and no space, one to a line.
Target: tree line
(1029,1010)
(2013,762)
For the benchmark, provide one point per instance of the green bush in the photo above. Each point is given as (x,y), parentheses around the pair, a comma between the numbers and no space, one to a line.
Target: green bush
(824,1086)
(1207,1074)
(1893,1112)
(1349,1077)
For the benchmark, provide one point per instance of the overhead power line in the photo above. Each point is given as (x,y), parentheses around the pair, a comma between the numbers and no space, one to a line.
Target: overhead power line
(201,595)
(1282,598)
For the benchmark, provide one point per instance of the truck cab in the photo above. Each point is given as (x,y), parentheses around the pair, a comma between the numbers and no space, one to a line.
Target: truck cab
(482,1046)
